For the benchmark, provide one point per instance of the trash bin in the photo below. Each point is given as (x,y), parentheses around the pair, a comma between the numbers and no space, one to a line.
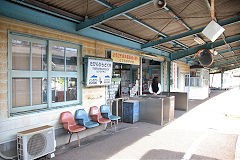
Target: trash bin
(130,111)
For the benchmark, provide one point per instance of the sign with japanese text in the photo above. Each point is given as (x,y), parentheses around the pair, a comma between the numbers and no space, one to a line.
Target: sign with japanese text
(125,58)
(99,72)
(174,74)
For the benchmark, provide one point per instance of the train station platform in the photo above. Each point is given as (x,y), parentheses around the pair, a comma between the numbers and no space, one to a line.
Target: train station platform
(208,131)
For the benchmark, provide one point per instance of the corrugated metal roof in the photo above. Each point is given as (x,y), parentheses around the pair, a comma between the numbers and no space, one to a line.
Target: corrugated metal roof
(195,13)
(127,25)
(78,7)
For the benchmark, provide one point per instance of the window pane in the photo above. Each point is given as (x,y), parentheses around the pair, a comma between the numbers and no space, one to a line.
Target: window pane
(57,89)
(71,59)
(57,58)
(198,82)
(39,57)
(20,92)
(192,82)
(39,91)
(71,89)
(20,55)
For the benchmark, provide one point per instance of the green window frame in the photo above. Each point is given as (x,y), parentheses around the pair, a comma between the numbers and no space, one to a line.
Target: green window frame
(71,80)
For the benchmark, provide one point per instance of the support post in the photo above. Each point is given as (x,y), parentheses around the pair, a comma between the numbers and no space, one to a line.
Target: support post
(131,78)
(168,74)
(222,71)
(140,81)
(162,82)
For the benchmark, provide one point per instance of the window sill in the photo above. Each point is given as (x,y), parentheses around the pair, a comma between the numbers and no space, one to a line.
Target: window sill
(41,110)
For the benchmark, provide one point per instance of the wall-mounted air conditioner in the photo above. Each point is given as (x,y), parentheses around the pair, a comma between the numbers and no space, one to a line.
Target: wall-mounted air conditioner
(35,143)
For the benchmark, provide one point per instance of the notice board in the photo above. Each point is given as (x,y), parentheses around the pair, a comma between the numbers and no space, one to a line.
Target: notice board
(98,71)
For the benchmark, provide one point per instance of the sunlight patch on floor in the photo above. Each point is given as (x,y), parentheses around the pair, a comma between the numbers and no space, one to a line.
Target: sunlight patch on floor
(209,116)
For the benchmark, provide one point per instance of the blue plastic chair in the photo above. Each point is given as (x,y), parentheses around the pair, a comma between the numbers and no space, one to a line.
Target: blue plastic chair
(106,113)
(83,120)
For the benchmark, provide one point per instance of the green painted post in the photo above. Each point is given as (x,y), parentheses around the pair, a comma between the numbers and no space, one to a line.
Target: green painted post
(131,78)
(162,85)
(168,74)
(222,71)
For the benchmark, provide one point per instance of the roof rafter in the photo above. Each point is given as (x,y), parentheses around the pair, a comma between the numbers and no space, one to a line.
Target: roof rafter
(223,35)
(179,20)
(112,13)
(226,58)
(230,68)
(49,9)
(226,62)
(191,51)
(228,50)
(109,5)
(185,34)
(28,15)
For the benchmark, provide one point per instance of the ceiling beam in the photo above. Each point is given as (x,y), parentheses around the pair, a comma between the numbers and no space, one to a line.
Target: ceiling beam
(185,34)
(119,33)
(229,50)
(223,35)
(113,31)
(191,51)
(27,15)
(175,16)
(226,62)
(221,52)
(129,16)
(106,4)
(232,67)
(34,4)
(112,13)
(180,20)
(227,57)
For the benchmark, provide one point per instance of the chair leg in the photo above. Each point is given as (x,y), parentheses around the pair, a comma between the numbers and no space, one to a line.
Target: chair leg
(70,138)
(115,126)
(78,139)
(105,127)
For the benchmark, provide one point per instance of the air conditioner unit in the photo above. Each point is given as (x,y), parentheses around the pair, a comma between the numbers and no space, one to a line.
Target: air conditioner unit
(35,143)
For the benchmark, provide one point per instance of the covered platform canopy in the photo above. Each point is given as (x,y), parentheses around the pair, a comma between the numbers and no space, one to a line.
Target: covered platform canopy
(173,32)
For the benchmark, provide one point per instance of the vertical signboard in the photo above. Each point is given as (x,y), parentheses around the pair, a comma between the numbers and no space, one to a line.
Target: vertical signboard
(174,74)
(98,71)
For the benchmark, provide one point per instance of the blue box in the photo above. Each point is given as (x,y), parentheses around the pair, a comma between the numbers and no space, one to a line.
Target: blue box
(130,111)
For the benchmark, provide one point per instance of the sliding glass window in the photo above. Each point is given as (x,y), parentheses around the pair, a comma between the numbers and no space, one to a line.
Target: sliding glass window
(42,73)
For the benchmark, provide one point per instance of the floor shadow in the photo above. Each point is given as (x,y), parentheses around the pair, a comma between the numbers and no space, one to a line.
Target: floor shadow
(161,154)
(105,142)
(103,145)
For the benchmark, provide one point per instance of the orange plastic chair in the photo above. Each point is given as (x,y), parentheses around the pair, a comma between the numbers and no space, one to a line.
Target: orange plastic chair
(70,125)
(97,117)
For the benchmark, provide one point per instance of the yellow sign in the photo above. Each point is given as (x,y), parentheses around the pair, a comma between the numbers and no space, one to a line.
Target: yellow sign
(125,58)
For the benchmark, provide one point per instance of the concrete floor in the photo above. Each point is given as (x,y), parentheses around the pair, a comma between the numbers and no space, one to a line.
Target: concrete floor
(208,131)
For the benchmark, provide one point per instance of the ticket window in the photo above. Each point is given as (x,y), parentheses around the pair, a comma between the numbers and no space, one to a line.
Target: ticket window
(151,69)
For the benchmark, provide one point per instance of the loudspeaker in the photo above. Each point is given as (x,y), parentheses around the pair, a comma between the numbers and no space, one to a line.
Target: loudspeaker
(160,3)
(205,57)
